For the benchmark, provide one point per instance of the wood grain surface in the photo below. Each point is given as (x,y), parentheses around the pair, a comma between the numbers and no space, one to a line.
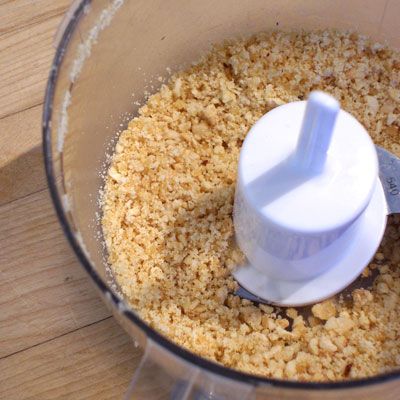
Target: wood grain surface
(57,339)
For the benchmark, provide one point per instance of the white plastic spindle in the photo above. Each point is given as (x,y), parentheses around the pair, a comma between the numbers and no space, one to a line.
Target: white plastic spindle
(309,209)
(316,132)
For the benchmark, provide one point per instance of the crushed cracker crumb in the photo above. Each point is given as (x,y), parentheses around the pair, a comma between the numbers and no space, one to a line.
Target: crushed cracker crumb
(169,194)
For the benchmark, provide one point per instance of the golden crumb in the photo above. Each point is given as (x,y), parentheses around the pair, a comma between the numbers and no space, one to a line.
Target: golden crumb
(167,212)
(324,310)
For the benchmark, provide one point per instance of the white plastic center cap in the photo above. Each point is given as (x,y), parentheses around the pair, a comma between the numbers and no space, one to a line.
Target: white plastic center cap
(308,196)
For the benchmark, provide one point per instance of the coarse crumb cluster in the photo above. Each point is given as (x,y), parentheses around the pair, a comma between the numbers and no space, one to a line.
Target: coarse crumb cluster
(167,213)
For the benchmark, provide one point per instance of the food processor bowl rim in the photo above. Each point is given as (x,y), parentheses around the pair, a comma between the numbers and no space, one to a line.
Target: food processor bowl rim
(186,355)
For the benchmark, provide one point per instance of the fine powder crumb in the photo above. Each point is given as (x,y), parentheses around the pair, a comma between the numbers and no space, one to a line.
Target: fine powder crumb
(167,213)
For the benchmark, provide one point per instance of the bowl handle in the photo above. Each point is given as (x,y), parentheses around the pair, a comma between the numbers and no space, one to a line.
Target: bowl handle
(162,375)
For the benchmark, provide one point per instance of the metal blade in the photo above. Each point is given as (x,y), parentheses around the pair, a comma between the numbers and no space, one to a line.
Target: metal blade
(245,294)
(389,173)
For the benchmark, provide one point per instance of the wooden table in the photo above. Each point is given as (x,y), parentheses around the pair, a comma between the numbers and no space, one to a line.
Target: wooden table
(57,339)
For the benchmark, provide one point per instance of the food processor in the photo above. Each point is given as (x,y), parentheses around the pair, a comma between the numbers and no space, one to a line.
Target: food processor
(111,55)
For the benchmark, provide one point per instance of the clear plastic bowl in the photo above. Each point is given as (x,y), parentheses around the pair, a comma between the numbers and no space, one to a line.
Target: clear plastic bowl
(107,53)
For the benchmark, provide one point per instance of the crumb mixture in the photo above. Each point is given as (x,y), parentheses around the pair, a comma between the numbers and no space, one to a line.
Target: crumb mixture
(169,196)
